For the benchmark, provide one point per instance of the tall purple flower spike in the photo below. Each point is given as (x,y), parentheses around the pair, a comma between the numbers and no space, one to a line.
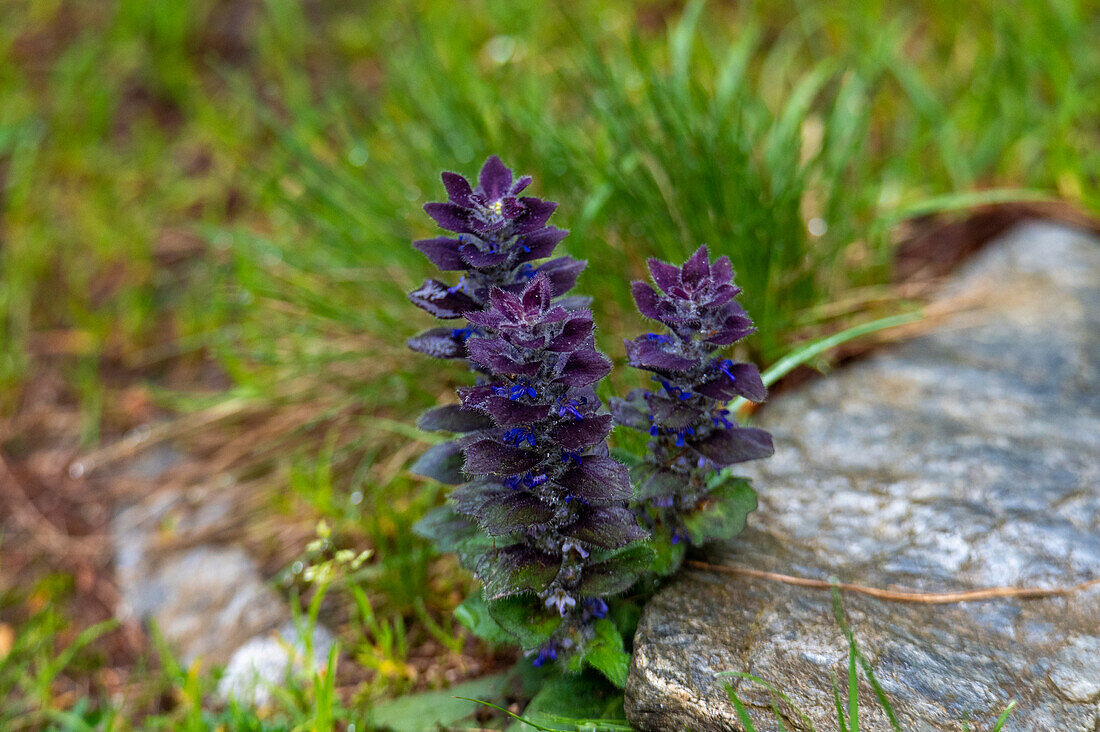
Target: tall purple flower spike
(540,511)
(541,482)
(499,234)
(692,433)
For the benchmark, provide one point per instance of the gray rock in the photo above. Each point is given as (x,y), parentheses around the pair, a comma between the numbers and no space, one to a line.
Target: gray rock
(963,459)
(206,599)
(265,661)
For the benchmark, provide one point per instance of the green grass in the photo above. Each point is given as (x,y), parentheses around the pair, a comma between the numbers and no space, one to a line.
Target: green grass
(181,186)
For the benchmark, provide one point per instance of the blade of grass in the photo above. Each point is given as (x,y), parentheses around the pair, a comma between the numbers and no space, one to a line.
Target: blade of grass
(774,691)
(853,688)
(742,713)
(809,351)
(842,621)
(1004,716)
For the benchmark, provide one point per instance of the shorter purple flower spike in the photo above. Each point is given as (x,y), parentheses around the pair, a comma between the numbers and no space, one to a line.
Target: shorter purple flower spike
(691,430)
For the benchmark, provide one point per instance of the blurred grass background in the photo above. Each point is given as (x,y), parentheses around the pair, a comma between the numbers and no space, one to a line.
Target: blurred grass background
(211,202)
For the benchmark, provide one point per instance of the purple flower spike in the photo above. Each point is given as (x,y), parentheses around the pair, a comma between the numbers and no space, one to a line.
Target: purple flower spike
(692,433)
(498,233)
(540,509)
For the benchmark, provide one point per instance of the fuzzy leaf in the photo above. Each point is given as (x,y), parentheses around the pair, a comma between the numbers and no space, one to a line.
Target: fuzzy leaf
(608,527)
(563,273)
(441,301)
(585,367)
(580,433)
(598,479)
(510,511)
(722,514)
(617,573)
(515,570)
(736,445)
(605,652)
(441,462)
(443,252)
(453,418)
(525,619)
(489,457)
(438,343)
(508,413)
(670,412)
(643,353)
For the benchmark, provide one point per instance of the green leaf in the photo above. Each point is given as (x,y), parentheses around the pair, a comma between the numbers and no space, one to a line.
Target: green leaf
(723,513)
(524,619)
(617,572)
(667,556)
(474,614)
(583,702)
(606,654)
(435,709)
(515,570)
(658,484)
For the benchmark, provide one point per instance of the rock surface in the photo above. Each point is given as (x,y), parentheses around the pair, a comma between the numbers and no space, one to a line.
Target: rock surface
(964,459)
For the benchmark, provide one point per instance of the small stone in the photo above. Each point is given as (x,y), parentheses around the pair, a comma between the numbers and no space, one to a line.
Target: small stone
(265,661)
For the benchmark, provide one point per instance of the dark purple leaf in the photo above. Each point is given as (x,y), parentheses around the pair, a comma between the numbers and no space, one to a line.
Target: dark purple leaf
(519,185)
(597,479)
(453,418)
(510,511)
(737,445)
(607,527)
(577,329)
(458,189)
(443,252)
(541,243)
(696,269)
(646,299)
(438,343)
(563,273)
(489,457)
(441,301)
(450,216)
(665,275)
(535,215)
(508,412)
(580,433)
(584,367)
(651,355)
(671,412)
(721,271)
(483,258)
(537,295)
(495,178)
(746,383)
